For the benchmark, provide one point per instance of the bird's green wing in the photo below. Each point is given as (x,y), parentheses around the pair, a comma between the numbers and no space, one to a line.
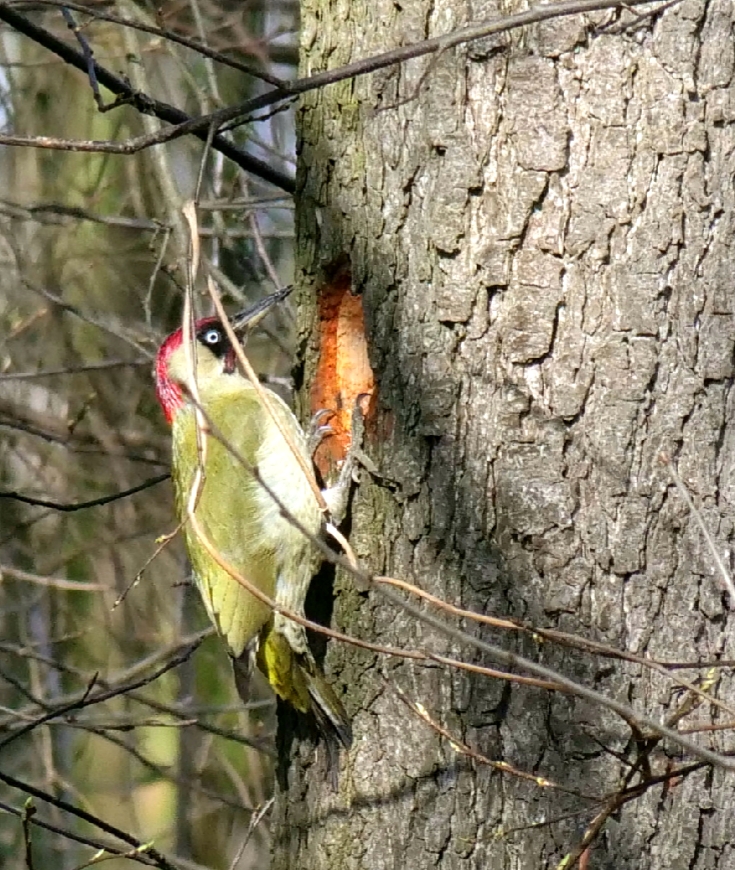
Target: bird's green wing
(228,512)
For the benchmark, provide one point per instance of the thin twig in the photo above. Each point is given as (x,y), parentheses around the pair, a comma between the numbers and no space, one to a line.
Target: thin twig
(75,370)
(615,803)
(255,820)
(80,506)
(249,372)
(69,835)
(88,57)
(195,45)
(724,573)
(50,582)
(88,699)
(181,713)
(512,660)
(160,158)
(157,858)
(461,747)
(561,638)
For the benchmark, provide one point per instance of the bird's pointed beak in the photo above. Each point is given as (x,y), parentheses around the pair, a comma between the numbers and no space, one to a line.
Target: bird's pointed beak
(248,319)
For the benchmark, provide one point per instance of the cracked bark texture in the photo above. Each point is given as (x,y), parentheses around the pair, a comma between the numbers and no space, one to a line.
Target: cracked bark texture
(541,226)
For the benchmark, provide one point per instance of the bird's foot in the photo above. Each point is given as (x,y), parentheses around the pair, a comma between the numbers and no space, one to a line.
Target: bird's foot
(337,496)
(318,430)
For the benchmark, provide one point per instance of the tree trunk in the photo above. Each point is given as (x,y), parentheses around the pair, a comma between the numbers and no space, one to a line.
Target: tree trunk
(540,227)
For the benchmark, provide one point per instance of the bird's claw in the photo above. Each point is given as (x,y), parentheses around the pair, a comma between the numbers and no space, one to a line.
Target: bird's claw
(317,430)
(337,496)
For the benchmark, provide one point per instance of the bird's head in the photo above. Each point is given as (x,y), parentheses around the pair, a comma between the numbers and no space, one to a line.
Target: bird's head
(213,358)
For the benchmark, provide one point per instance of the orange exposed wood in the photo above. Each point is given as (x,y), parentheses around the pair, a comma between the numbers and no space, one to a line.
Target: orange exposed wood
(343,371)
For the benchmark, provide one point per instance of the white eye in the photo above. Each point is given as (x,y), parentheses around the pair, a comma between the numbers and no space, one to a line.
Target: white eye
(212,337)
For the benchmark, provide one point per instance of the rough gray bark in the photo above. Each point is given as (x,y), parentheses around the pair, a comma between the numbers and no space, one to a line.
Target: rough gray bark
(541,228)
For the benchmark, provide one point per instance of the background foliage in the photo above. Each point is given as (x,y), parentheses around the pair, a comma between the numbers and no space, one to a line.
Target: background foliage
(91,248)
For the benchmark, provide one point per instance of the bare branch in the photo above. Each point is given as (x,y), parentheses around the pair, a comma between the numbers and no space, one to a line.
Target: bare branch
(75,370)
(88,698)
(80,506)
(157,858)
(144,104)
(71,835)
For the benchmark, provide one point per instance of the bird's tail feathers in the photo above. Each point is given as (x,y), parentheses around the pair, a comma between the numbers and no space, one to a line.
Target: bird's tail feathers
(331,719)
(296,678)
(242,668)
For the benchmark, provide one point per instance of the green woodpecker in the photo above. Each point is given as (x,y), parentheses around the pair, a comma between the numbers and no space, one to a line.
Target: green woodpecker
(242,520)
